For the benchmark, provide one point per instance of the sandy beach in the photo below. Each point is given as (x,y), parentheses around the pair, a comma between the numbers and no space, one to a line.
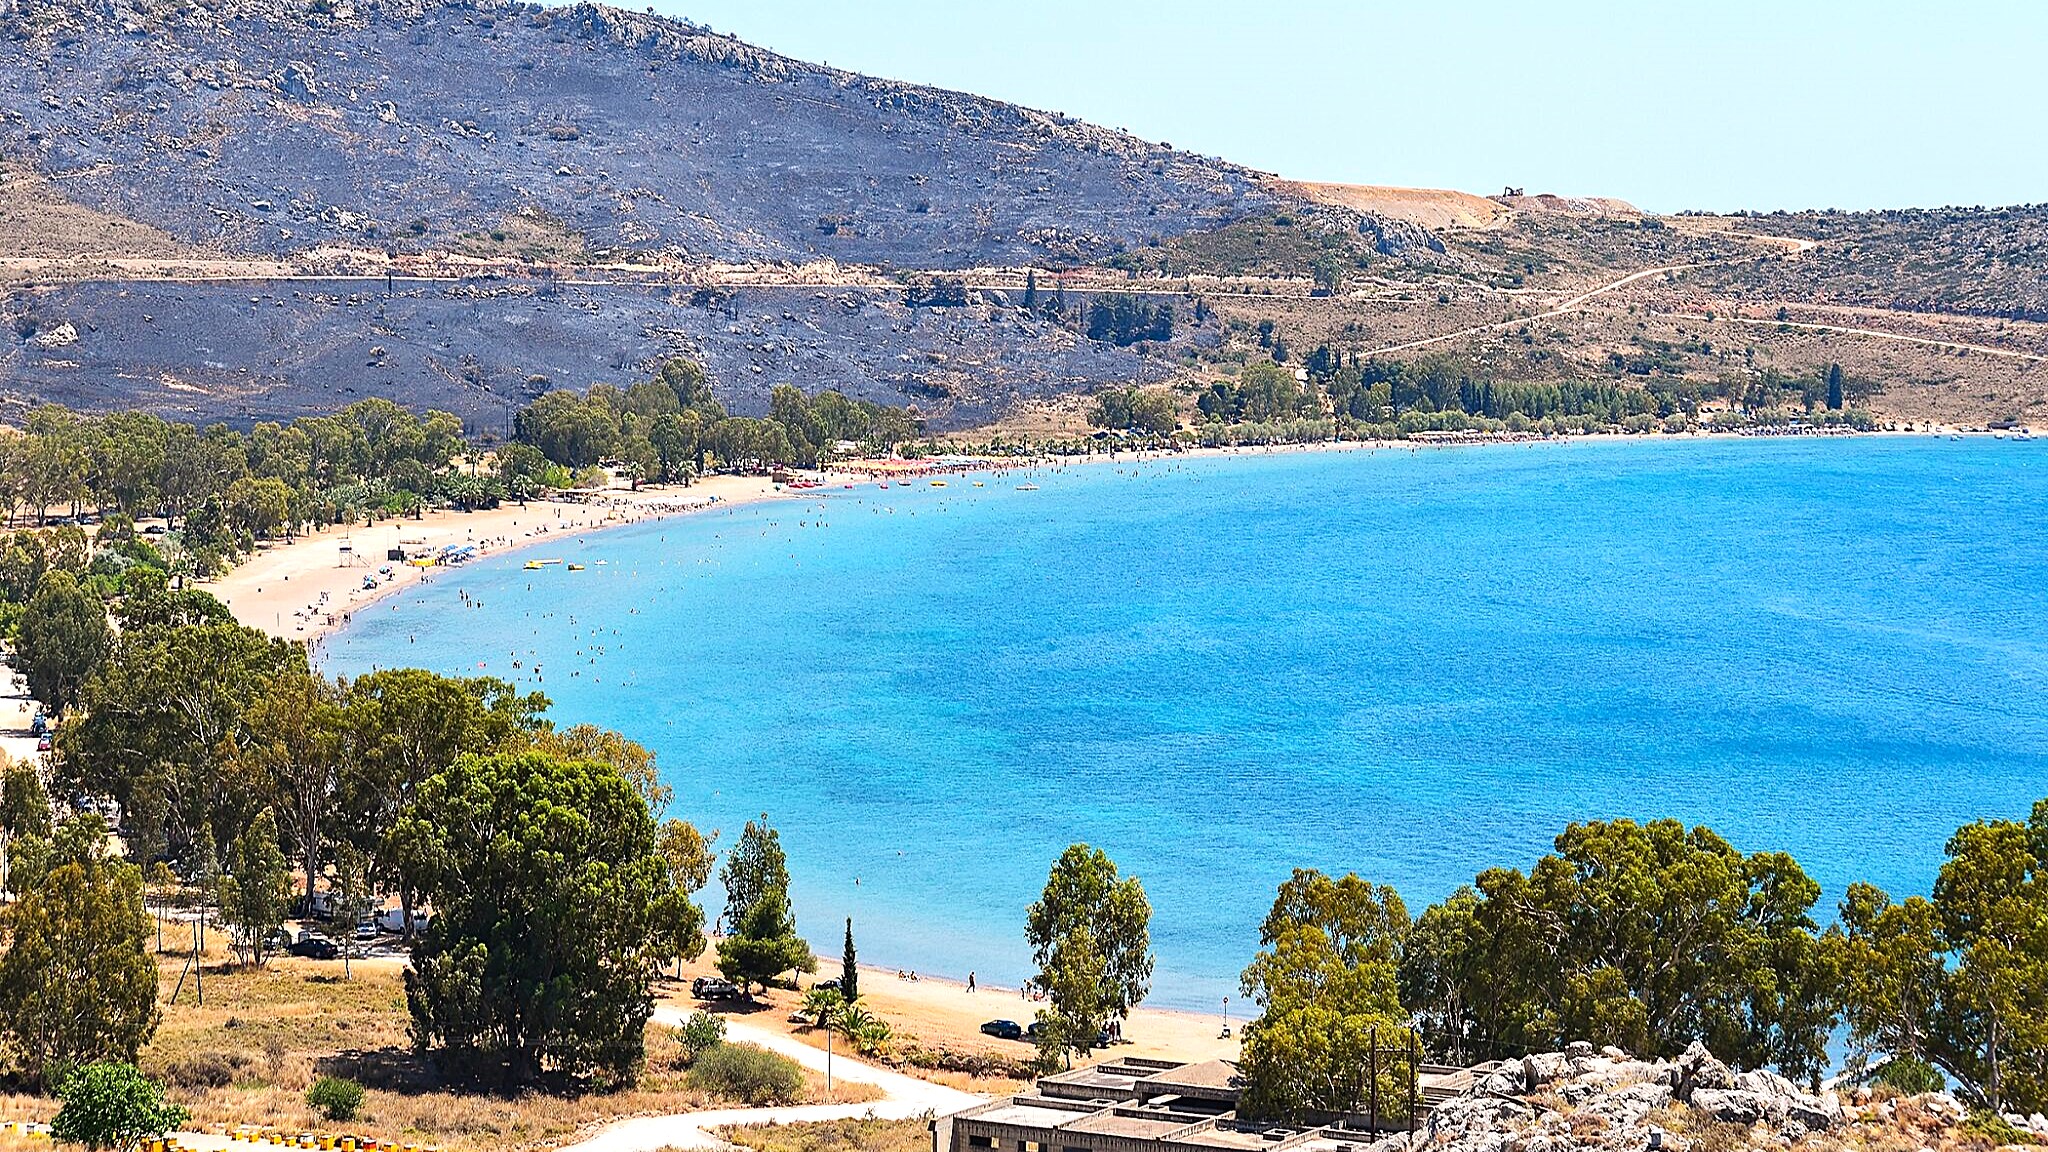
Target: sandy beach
(307,587)
(944,1013)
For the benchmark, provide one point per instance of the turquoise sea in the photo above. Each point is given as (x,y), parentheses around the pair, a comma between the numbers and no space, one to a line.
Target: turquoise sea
(1412,664)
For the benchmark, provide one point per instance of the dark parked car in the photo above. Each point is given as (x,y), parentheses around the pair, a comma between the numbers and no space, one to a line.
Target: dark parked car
(712,988)
(315,948)
(1003,1030)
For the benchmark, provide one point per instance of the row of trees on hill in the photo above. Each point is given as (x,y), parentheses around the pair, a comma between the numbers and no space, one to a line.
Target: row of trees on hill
(671,428)
(1357,396)
(1649,937)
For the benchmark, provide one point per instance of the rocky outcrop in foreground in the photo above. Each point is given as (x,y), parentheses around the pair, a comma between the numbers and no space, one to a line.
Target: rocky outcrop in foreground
(1583,1099)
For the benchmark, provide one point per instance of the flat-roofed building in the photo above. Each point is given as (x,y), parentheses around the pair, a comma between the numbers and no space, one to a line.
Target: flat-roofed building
(1140,1105)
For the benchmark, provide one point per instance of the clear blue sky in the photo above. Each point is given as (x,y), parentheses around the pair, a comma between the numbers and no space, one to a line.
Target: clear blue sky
(1739,103)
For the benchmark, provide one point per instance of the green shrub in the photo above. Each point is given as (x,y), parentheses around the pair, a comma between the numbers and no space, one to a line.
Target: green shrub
(747,1074)
(1911,1076)
(700,1034)
(335,1097)
(1997,1129)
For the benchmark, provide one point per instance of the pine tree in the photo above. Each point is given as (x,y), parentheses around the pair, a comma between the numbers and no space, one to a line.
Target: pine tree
(849,969)
(256,893)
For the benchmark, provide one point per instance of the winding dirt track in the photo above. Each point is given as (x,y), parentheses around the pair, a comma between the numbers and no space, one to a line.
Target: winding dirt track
(1571,305)
(1873,333)
(903,1098)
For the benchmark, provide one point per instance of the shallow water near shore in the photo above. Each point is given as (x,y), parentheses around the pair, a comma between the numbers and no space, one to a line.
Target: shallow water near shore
(1415,665)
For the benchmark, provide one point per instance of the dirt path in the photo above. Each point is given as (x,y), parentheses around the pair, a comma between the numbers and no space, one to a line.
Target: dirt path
(903,1098)
(1571,305)
(1873,333)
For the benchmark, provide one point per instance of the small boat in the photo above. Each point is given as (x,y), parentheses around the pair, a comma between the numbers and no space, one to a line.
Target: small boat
(1027,487)
(938,483)
(575,567)
(977,483)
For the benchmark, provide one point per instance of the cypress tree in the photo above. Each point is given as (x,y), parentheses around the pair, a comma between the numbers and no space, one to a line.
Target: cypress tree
(1030,290)
(849,970)
(1834,387)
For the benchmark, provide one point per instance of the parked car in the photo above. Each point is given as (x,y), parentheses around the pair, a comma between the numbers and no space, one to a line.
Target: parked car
(713,988)
(314,947)
(1003,1030)
(831,985)
(277,940)
(43,743)
(366,929)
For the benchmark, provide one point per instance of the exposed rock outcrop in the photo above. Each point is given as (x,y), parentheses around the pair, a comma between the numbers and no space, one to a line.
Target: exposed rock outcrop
(1580,1099)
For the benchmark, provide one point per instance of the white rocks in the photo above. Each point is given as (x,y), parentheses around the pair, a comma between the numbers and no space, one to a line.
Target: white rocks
(1580,1101)
(61,336)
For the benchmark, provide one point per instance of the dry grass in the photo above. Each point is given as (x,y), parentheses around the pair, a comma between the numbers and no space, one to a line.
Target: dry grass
(834,1136)
(277,1029)
(1914,1130)
(37,220)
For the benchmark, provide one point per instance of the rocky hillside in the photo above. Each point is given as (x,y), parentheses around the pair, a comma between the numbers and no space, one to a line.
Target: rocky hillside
(248,209)
(277,126)
(1967,261)
(1582,1099)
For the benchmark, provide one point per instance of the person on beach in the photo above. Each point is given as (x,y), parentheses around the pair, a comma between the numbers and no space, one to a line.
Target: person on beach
(970,981)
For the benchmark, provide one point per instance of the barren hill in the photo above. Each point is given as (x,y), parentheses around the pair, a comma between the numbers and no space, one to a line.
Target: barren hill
(1427,207)
(252,209)
(275,126)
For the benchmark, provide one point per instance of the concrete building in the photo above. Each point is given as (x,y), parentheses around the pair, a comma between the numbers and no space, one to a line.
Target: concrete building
(1139,1105)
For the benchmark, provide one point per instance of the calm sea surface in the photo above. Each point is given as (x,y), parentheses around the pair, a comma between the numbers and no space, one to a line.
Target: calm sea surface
(1414,665)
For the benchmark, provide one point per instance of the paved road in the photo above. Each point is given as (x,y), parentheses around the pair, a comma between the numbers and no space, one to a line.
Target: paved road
(903,1098)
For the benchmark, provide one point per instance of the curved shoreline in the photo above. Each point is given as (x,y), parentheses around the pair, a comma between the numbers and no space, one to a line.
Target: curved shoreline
(297,590)
(307,588)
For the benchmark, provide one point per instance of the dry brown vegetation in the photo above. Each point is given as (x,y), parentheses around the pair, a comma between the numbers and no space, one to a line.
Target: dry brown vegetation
(36,220)
(263,1036)
(1430,207)
(1915,1129)
(834,1136)
(1686,329)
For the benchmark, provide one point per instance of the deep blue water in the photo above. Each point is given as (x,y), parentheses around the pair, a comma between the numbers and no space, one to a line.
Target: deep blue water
(1414,665)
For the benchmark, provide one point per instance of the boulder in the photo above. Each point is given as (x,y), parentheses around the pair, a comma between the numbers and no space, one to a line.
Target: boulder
(1733,1105)
(296,81)
(1543,1068)
(61,336)
(1698,1069)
